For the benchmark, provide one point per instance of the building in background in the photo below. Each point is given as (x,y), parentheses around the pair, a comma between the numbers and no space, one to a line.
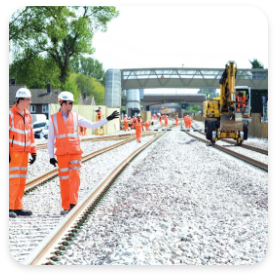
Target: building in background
(41,99)
(86,100)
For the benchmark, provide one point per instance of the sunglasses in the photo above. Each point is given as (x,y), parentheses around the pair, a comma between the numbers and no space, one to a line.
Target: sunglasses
(70,103)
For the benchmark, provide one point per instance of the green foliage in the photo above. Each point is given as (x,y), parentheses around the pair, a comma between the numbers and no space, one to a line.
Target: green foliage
(256,64)
(34,71)
(71,86)
(61,32)
(89,67)
(91,86)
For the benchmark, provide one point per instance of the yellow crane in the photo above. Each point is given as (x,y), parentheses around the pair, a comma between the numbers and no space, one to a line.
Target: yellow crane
(227,116)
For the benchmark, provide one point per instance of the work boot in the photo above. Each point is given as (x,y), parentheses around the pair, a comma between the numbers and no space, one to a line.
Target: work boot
(12,213)
(64,212)
(72,206)
(23,213)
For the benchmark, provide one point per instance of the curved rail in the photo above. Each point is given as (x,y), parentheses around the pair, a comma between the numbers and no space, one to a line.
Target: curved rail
(62,236)
(233,153)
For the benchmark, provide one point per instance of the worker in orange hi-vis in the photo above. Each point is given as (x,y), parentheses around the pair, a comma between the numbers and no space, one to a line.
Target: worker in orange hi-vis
(21,144)
(147,125)
(99,113)
(186,121)
(189,122)
(165,121)
(176,120)
(138,126)
(126,127)
(161,120)
(63,127)
(154,116)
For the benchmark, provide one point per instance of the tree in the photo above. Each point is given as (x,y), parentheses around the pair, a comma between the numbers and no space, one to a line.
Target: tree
(65,32)
(34,71)
(89,67)
(70,85)
(91,86)
(256,64)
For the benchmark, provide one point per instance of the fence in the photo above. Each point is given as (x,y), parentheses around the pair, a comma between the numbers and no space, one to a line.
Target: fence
(256,128)
(89,113)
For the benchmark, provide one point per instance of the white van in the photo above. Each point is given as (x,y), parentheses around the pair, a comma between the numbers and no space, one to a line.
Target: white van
(38,127)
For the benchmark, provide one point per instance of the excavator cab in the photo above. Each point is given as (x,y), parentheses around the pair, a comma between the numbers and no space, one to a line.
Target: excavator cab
(243,99)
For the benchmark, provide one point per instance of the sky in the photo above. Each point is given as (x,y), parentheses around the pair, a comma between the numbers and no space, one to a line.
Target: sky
(193,36)
(183,36)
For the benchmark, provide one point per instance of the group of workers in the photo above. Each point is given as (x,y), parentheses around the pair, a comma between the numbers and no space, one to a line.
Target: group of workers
(63,129)
(136,123)
(187,121)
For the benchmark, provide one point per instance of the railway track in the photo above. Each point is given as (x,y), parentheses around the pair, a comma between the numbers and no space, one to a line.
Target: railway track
(256,149)
(244,158)
(41,179)
(22,239)
(92,139)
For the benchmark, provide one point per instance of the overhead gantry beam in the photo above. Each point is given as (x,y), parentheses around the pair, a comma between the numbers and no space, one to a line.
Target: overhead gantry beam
(149,78)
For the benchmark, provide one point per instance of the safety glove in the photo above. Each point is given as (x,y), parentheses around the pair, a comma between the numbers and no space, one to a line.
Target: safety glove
(34,157)
(53,161)
(114,115)
(9,158)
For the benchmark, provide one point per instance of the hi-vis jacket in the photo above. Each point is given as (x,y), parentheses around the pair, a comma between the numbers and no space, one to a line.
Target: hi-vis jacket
(66,134)
(63,129)
(21,137)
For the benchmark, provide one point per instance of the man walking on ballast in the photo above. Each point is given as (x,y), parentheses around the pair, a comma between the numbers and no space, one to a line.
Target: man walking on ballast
(63,127)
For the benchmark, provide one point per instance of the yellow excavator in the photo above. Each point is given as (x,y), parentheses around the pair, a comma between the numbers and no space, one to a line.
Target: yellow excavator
(227,116)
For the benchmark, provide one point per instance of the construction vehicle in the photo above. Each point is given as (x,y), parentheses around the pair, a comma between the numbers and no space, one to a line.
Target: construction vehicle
(227,116)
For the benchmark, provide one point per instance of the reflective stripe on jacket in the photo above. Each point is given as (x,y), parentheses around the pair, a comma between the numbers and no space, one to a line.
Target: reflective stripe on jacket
(66,135)
(21,137)
(138,123)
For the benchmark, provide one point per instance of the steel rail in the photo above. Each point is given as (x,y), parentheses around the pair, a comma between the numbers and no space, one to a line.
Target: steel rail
(103,138)
(233,153)
(256,149)
(55,243)
(39,180)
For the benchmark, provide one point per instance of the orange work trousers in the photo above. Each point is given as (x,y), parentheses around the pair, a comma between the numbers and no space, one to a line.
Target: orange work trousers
(69,175)
(138,133)
(176,123)
(126,126)
(165,123)
(189,124)
(18,169)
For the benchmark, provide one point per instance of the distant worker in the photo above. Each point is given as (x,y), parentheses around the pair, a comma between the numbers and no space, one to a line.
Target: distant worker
(165,120)
(162,76)
(126,127)
(84,131)
(241,102)
(63,127)
(154,116)
(138,126)
(186,121)
(147,125)
(21,143)
(161,120)
(176,120)
(99,114)
(189,122)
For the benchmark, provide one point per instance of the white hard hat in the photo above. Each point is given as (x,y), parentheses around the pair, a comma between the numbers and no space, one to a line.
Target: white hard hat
(22,93)
(139,114)
(65,96)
